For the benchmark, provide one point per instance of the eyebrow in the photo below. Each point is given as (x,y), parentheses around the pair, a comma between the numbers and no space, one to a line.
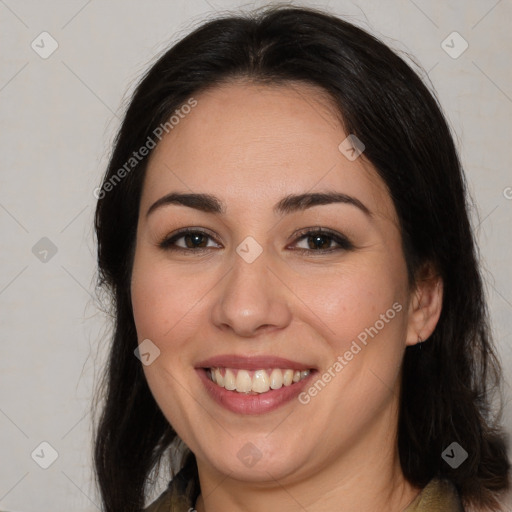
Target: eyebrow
(291,203)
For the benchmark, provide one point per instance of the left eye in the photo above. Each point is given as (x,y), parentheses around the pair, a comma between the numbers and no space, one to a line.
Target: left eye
(318,240)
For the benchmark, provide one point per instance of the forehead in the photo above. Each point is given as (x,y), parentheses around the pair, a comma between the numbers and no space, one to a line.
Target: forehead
(249,143)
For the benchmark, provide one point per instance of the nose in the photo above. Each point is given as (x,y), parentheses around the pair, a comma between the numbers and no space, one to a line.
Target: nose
(251,299)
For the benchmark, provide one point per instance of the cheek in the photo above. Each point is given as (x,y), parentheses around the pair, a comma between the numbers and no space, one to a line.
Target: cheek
(364,309)
(162,298)
(349,302)
(362,322)
(163,302)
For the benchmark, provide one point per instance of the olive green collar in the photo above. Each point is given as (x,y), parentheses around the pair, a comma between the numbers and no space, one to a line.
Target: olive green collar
(437,496)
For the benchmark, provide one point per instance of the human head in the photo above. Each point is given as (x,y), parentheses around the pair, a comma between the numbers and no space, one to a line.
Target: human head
(407,141)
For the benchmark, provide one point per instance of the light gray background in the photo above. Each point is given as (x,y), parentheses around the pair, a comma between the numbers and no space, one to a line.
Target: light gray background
(59,116)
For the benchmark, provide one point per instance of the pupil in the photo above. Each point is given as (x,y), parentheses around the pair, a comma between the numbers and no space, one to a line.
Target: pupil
(318,238)
(195,238)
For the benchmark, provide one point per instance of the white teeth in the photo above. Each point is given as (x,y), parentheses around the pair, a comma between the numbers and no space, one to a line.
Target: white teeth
(243,382)
(258,381)
(276,379)
(229,380)
(219,379)
(287,377)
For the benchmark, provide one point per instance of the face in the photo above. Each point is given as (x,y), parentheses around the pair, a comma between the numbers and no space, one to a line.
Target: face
(301,306)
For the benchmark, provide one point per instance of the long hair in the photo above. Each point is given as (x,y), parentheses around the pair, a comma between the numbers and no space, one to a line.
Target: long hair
(448,382)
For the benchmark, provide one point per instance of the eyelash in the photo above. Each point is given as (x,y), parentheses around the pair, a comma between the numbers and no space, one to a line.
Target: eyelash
(343,243)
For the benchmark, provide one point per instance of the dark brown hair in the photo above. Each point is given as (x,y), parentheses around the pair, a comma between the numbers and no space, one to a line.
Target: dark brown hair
(448,381)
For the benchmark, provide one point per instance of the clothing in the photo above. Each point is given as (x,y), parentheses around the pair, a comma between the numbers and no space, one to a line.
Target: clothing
(437,496)
(181,495)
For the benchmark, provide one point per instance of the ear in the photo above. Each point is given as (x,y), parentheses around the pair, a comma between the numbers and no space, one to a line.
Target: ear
(425,305)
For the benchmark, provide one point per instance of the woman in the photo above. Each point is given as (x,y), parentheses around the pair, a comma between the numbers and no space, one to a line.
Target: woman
(284,231)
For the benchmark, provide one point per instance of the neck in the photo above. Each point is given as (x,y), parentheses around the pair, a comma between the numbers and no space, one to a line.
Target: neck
(359,492)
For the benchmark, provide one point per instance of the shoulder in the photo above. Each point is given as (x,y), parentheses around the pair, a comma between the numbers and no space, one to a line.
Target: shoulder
(180,495)
(438,495)
(162,504)
(172,500)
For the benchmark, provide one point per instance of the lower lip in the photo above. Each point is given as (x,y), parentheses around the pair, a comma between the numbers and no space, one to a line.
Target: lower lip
(252,404)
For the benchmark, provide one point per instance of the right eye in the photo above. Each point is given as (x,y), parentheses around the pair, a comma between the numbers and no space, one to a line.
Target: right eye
(194,241)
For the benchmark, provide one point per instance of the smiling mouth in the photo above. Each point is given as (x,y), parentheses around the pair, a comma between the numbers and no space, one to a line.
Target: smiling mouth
(255,382)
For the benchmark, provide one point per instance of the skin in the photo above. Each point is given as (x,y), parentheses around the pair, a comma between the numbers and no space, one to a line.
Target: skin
(251,145)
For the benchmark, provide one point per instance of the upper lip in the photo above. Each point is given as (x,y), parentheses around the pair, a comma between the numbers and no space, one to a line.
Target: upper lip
(251,362)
